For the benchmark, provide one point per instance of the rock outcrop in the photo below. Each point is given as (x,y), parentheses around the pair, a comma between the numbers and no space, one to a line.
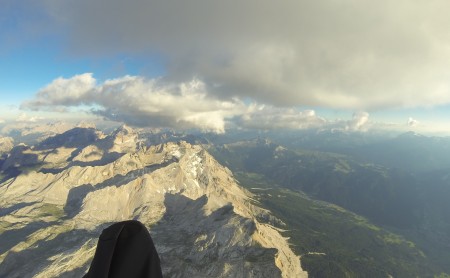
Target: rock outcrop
(6,144)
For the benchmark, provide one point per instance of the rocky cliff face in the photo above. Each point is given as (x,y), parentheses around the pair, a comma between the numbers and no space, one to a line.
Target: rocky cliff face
(202,222)
(6,144)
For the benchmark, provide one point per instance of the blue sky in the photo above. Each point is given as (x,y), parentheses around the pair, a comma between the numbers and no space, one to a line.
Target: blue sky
(27,68)
(214,65)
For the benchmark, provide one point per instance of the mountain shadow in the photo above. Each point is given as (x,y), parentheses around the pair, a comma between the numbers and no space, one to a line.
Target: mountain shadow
(77,194)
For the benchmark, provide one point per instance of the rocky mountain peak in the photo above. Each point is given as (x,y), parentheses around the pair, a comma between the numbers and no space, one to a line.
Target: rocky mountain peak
(124,130)
(6,144)
(124,139)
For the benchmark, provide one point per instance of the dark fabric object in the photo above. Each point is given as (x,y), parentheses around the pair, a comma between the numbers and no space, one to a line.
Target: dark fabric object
(125,249)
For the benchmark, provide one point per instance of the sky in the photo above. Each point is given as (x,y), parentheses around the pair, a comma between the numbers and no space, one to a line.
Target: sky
(217,65)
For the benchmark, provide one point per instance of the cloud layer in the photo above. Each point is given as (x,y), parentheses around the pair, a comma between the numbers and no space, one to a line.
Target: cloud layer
(357,55)
(155,103)
(267,117)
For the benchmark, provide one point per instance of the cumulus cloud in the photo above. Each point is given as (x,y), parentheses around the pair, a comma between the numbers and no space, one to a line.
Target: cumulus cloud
(64,92)
(412,122)
(359,55)
(141,101)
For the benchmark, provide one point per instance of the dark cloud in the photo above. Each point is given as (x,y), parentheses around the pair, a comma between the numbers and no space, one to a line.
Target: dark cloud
(23,22)
(341,54)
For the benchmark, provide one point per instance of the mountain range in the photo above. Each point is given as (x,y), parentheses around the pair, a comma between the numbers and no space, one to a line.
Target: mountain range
(300,204)
(58,195)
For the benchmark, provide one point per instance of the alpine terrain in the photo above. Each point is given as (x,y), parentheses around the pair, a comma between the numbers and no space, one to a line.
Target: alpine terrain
(59,194)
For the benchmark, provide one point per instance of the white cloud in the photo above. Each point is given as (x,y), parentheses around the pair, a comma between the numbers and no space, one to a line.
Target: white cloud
(412,122)
(358,55)
(23,117)
(64,92)
(154,102)
(359,120)
(139,101)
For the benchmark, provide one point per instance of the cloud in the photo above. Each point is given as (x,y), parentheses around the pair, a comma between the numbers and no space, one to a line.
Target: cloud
(139,101)
(147,102)
(64,92)
(412,122)
(22,22)
(23,117)
(357,55)
(359,122)
(264,117)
